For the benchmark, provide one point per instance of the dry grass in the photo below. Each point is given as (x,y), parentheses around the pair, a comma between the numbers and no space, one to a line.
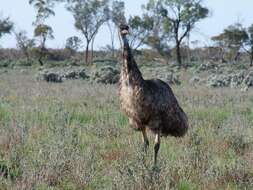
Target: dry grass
(73,136)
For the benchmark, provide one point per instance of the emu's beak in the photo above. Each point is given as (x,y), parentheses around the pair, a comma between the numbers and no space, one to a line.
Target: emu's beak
(124,32)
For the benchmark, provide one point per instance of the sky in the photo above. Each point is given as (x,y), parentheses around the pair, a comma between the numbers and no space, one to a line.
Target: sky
(222,14)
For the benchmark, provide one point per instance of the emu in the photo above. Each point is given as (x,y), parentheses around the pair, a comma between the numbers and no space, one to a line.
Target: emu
(149,104)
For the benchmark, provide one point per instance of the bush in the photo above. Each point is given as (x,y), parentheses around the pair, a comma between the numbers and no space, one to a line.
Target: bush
(5,63)
(106,75)
(54,75)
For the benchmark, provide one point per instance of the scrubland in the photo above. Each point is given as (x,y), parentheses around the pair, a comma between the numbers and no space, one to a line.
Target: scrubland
(73,136)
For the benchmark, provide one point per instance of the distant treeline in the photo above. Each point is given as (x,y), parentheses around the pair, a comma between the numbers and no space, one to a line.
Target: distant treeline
(163,27)
(213,54)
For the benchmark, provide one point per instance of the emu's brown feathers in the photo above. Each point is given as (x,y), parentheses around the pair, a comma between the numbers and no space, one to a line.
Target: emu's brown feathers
(148,103)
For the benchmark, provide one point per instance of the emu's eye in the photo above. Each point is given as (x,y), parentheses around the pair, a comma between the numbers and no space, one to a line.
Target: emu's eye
(123,27)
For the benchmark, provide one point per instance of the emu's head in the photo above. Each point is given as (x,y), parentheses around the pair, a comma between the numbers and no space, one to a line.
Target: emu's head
(124,30)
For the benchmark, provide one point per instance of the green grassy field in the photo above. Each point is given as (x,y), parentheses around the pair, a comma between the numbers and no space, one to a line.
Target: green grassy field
(72,136)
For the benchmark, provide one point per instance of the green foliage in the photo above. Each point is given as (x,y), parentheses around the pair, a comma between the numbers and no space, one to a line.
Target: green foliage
(44,9)
(179,18)
(116,17)
(24,43)
(89,16)
(10,64)
(250,30)
(118,12)
(5,63)
(9,170)
(140,28)
(233,36)
(159,37)
(232,39)
(73,136)
(249,43)
(73,44)
(5,26)
(44,32)
(185,185)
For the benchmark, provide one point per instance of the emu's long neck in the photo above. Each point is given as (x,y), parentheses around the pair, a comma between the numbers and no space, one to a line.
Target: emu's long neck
(130,69)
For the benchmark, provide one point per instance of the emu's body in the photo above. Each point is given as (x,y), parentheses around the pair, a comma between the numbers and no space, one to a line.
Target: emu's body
(149,104)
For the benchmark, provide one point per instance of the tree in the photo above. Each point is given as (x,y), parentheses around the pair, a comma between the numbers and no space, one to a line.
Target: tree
(220,43)
(5,26)
(89,16)
(232,39)
(160,44)
(248,46)
(159,37)
(44,9)
(181,17)
(140,28)
(24,43)
(73,44)
(117,17)
(43,32)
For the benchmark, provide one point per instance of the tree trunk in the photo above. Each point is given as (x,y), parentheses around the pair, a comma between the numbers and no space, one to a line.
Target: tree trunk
(40,61)
(251,59)
(113,49)
(27,56)
(92,49)
(178,51)
(41,55)
(87,53)
(236,58)
(112,33)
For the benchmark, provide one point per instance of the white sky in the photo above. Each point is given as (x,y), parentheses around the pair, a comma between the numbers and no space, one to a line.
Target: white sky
(223,13)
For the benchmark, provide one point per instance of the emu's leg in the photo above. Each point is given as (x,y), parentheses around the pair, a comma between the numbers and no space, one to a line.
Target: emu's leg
(145,139)
(157,146)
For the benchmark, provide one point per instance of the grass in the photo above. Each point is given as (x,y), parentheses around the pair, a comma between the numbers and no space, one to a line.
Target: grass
(72,136)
